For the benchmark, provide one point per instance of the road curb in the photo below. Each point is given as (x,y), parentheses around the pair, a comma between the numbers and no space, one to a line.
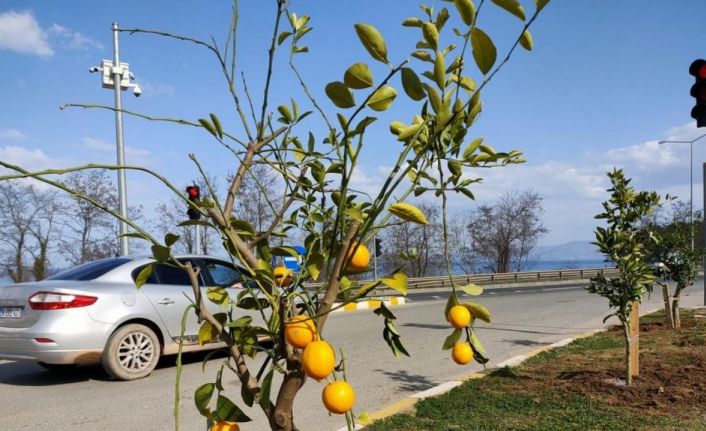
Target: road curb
(369,304)
(408,402)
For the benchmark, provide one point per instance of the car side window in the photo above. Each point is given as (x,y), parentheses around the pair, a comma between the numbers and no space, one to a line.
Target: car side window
(167,274)
(222,275)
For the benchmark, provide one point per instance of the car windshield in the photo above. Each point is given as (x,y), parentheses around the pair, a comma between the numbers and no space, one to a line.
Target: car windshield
(90,270)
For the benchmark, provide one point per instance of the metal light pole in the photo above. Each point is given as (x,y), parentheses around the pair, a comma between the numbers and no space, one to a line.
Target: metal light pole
(117,76)
(691,181)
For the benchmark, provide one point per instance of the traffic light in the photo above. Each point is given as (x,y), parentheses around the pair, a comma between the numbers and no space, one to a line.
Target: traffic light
(378,247)
(194,193)
(698,91)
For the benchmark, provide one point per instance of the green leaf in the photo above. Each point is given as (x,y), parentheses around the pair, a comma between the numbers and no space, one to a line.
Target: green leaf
(526,40)
(431,35)
(540,4)
(384,311)
(434,98)
(475,342)
(207,332)
(477,311)
(472,147)
(161,253)
(373,41)
(283,36)
(440,71)
(455,168)
(398,282)
(284,251)
(144,274)
(452,301)
(411,84)
(202,397)
(472,289)
(512,6)
(412,22)
(314,265)
(484,51)
(340,95)
(467,10)
(265,389)
(217,125)
(422,55)
(408,132)
(217,295)
(240,323)
(227,411)
(382,98)
(408,212)
(170,239)
(451,340)
(358,76)
(285,113)
(208,126)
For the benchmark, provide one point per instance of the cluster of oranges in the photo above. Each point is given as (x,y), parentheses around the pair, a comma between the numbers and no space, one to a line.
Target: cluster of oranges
(318,362)
(459,317)
(225,426)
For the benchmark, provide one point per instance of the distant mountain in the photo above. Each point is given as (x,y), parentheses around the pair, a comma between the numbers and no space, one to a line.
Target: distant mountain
(570,251)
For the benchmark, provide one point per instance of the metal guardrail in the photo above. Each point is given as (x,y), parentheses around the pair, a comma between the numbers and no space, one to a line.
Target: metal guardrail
(498,278)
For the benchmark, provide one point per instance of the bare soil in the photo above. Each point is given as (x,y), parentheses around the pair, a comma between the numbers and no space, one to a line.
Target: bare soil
(672,378)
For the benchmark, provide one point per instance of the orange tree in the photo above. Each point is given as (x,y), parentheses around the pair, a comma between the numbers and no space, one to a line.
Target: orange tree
(434,147)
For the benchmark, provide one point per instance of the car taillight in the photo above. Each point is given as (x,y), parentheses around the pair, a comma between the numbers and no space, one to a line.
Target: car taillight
(58,301)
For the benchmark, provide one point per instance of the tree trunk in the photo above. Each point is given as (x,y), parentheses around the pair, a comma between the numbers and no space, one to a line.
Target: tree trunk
(628,349)
(675,306)
(667,306)
(282,418)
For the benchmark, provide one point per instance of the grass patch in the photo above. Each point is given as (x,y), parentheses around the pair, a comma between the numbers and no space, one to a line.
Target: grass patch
(568,388)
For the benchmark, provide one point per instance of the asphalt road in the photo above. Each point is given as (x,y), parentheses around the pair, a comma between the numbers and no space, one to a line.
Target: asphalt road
(524,318)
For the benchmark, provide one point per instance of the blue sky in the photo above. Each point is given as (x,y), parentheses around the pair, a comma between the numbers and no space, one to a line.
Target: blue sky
(605,82)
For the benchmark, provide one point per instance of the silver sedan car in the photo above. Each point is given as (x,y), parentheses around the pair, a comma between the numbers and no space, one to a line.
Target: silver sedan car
(93,313)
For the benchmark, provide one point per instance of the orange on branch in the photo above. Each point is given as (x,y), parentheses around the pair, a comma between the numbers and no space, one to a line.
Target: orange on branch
(358,258)
(300,331)
(318,360)
(459,316)
(283,276)
(462,353)
(338,397)
(225,426)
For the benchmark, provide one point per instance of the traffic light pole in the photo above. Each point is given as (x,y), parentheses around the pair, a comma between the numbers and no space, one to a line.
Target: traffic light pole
(375,257)
(197,241)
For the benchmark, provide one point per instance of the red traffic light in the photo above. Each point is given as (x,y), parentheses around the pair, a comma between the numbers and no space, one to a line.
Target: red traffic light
(194,192)
(698,69)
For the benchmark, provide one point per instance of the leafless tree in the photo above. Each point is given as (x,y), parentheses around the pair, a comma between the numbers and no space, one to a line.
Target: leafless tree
(88,233)
(465,258)
(44,231)
(504,233)
(258,202)
(426,239)
(17,214)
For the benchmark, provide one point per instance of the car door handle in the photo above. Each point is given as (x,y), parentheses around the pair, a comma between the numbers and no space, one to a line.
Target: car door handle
(166,301)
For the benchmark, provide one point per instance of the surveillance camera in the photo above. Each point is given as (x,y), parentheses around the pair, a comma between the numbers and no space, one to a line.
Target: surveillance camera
(137,91)
(94,69)
(131,75)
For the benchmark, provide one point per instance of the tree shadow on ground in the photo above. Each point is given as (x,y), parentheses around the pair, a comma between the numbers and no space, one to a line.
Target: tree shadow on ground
(528,343)
(407,381)
(426,326)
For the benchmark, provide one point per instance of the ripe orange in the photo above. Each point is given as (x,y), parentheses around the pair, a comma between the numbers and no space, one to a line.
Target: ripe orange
(225,426)
(283,276)
(462,353)
(359,260)
(338,397)
(459,316)
(318,360)
(300,331)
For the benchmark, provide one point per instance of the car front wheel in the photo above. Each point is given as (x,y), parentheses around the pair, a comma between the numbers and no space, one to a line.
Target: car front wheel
(131,353)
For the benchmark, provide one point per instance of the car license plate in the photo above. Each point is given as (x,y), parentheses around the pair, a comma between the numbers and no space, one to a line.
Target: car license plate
(10,312)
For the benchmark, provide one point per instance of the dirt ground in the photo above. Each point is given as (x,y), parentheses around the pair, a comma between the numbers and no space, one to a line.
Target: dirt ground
(672,378)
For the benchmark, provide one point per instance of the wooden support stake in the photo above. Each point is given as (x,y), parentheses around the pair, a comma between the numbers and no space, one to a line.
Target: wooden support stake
(635,338)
